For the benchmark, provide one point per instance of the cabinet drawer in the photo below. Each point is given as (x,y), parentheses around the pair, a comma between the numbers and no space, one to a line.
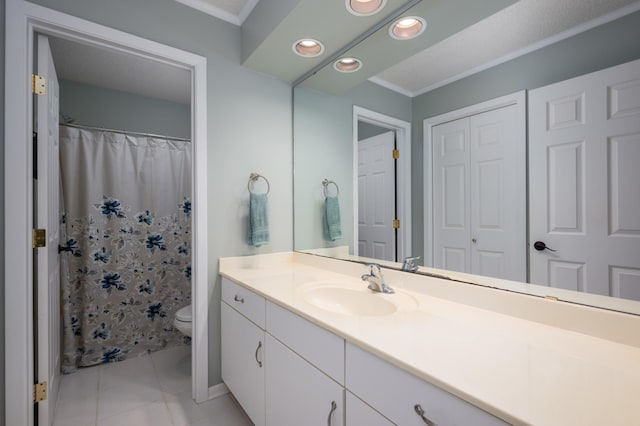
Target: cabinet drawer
(244,301)
(320,347)
(395,393)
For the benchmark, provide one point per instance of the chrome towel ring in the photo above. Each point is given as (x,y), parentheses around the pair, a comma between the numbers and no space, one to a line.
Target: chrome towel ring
(253,177)
(326,183)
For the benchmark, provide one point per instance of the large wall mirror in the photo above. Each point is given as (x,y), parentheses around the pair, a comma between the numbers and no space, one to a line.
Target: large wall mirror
(346,131)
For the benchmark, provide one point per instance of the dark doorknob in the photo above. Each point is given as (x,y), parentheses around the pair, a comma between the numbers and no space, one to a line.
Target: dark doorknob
(540,246)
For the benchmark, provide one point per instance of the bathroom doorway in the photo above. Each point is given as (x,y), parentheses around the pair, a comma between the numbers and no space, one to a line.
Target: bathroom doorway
(387,140)
(19,304)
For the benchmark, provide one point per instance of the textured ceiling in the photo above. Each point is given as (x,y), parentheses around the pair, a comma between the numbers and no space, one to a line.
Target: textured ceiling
(120,71)
(517,28)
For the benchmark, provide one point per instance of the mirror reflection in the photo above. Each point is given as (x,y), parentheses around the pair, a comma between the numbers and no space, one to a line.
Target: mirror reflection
(521,172)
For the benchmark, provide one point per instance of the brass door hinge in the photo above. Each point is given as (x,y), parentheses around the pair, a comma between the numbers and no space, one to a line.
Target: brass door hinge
(39,238)
(39,392)
(396,154)
(396,223)
(38,84)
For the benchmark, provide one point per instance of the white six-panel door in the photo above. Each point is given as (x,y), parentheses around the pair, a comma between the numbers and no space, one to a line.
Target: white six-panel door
(376,197)
(584,165)
(479,205)
(48,217)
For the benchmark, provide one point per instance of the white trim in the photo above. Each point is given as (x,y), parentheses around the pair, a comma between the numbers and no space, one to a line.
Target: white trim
(403,179)
(22,20)
(218,390)
(212,10)
(578,29)
(517,98)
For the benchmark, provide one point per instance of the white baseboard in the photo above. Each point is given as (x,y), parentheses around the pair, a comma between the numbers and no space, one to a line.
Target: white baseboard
(218,390)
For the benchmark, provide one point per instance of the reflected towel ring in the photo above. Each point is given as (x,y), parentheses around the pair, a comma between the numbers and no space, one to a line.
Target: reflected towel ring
(254,177)
(326,183)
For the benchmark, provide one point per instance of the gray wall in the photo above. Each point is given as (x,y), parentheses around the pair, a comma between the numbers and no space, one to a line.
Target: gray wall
(2,322)
(323,148)
(112,109)
(249,128)
(611,44)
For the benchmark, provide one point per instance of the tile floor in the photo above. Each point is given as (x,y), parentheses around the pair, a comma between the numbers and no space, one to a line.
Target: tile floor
(153,390)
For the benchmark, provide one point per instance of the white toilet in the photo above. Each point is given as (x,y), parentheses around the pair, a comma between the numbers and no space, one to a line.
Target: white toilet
(183,320)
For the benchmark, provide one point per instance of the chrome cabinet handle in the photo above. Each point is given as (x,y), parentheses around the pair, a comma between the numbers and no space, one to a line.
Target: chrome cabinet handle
(238,299)
(420,412)
(258,350)
(333,408)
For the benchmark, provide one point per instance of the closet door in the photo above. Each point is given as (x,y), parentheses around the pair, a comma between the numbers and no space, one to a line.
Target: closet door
(498,196)
(451,210)
(584,151)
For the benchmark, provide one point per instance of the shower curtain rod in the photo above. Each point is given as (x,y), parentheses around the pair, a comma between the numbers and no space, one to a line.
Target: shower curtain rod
(103,129)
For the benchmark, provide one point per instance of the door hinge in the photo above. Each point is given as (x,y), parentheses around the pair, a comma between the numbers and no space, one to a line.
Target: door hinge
(396,154)
(38,84)
(40,392)
(39,238)
(396,223)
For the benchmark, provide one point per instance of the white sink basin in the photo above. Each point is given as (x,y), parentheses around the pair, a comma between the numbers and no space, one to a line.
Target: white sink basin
(354,300)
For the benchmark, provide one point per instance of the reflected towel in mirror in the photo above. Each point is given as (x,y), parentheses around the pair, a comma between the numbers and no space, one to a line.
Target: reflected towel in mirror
(332,226)
(258,232)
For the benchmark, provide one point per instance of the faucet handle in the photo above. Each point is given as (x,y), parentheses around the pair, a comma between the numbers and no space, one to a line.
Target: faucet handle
(408,264)
(375,266)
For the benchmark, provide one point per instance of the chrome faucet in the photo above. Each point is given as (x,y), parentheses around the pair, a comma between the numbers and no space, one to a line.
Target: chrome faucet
(409,264)
(375,279)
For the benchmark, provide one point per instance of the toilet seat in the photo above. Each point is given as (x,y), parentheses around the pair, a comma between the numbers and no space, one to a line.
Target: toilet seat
(185,314)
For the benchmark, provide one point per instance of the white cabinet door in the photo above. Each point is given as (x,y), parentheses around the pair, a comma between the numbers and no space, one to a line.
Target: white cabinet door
(359,413)
(584,151)
(297,392)
(243,362)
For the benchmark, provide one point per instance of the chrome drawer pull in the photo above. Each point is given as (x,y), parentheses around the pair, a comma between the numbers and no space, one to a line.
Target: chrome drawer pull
(333,408)
(258,350)
(238,299)
(420,412)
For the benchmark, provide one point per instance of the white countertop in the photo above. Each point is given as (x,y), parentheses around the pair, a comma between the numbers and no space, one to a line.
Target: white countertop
(524,371)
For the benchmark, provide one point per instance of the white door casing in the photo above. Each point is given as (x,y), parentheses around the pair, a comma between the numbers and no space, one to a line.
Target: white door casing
(23,21)
(376,197)
(475,189)
(584,151)
(47,189)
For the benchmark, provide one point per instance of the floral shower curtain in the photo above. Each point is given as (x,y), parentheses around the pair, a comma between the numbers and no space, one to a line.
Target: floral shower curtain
(126,232)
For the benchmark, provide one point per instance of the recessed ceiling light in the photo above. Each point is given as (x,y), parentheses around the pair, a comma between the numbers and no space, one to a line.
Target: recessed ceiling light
(308,47)
(347,64)
(407,27)
(365,7)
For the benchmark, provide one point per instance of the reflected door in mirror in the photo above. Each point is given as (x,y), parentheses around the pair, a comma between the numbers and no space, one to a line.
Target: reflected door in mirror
(478,195)
(584,153)
(376,197)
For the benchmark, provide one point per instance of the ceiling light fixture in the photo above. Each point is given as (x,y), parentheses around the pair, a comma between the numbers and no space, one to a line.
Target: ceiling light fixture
(407,27)
(308,47)
(365,7)
(347,64)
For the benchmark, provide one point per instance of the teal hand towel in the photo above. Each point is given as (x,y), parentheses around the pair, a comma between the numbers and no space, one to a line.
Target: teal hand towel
(258,220)
(333,229)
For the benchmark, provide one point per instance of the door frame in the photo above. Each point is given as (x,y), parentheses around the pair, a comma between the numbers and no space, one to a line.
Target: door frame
(520,100)
(403,175)
(23,20)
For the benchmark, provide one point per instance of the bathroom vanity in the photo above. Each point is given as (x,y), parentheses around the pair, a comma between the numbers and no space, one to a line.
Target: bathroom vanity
(305,342)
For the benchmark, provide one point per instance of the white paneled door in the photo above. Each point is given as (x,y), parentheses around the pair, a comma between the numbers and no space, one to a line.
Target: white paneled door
(479,195)
(48,217)
(376,197)
(584,165)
